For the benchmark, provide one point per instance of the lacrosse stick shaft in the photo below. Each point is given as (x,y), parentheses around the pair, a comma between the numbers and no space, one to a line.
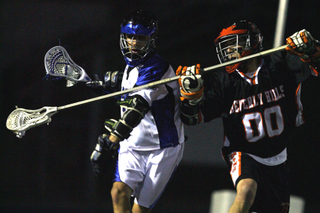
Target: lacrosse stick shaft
(167,80)
(259,54)
(119,93)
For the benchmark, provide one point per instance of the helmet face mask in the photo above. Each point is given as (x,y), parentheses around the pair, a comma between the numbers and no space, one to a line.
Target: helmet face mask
(236,41)
(138,35)
(135,47)
(231,48)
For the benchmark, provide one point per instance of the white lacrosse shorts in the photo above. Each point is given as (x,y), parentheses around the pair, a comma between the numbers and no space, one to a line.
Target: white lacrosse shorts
(147,173)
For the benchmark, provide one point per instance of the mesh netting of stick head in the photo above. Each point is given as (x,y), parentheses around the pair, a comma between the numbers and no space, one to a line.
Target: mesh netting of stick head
(58,63)
(20,120)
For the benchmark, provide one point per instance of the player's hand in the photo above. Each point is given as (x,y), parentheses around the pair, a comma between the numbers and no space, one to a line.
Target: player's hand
(191,83)
(95,83)
(304,45)
(104,154)
(111,81)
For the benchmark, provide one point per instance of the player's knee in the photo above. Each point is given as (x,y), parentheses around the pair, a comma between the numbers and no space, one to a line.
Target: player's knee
(120,191)
(246,190)
(117,193)
(140,209)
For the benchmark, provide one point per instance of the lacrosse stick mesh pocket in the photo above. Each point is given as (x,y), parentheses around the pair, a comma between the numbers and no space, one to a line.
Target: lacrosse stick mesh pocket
(23,119)
(58,63)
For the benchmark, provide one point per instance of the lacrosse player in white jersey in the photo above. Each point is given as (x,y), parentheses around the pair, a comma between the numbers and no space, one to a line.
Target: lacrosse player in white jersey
(150,132)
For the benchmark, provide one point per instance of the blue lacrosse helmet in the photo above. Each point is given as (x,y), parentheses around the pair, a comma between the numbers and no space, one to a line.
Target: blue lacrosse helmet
(138,35)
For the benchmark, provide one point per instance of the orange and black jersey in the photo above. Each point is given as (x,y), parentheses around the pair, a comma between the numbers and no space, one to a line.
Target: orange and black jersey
(258,113)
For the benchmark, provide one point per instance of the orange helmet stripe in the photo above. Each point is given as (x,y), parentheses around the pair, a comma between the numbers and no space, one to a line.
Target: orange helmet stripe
(230,31)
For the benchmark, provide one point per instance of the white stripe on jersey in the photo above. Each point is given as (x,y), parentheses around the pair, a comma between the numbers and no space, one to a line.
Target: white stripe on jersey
(272,161)
(299,118)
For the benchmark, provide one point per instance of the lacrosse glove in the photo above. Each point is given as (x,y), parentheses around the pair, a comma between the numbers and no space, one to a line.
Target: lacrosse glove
(111,81)
(191,83)
(104,154)
(304,45)
(96,82)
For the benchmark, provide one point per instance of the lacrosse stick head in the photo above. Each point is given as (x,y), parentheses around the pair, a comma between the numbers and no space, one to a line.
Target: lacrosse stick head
(20,120)
(58,63)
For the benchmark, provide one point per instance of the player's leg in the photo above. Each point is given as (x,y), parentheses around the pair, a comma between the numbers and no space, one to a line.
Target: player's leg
(244,174)
(121,194)
(246,192)
(273,194)
(140,209)
(160,167)
(129,173)
(271,183)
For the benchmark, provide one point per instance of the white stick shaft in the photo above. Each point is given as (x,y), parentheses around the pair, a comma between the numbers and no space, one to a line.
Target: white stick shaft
(115,94)
(263,53)
(167,80)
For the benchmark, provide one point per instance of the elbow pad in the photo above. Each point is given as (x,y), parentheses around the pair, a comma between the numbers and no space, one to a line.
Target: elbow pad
(136,108)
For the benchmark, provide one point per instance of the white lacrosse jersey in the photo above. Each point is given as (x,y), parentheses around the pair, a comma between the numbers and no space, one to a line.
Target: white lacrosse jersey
(161,127)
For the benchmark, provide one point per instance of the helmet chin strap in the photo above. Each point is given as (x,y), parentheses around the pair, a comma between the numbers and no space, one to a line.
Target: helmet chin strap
(132,63)
(136,62)
(232,68)
(247,66)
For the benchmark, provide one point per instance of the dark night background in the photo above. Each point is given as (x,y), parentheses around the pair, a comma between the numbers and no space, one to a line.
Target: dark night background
(48,170)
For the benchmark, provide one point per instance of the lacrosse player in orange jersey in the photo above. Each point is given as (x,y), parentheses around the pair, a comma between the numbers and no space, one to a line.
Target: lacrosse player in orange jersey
(257,100)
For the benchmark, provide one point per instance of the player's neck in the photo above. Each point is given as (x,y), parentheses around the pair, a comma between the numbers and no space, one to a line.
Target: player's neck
(252,65)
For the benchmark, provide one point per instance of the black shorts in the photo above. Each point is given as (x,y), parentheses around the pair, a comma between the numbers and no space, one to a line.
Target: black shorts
(273,193)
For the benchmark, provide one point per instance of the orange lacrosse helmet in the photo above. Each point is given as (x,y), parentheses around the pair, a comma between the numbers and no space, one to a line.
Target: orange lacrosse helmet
(239,39)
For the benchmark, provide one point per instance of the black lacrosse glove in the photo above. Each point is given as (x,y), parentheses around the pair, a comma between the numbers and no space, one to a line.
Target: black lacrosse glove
(110,81)
(96,82)
(104,154)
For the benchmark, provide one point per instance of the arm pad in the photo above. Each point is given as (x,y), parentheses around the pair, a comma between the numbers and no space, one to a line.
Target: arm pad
(190,114)
(137,107)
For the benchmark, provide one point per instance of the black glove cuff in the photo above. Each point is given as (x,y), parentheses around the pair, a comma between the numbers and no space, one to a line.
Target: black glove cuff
(121,130)
(190,114)
(112,80)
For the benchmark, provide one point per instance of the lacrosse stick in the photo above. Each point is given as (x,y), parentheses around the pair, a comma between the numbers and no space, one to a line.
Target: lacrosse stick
(58,63)
(20,120)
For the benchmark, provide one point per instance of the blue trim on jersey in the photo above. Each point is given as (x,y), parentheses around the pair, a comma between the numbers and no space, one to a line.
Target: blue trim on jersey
(162,110)
(116,172)
(163,113)
(152,70)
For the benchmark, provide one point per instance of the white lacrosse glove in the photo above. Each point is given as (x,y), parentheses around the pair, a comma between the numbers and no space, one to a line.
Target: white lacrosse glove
(304,45)
(191,83)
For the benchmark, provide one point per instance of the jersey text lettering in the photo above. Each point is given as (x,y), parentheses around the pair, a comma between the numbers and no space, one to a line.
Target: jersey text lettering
(250,102)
